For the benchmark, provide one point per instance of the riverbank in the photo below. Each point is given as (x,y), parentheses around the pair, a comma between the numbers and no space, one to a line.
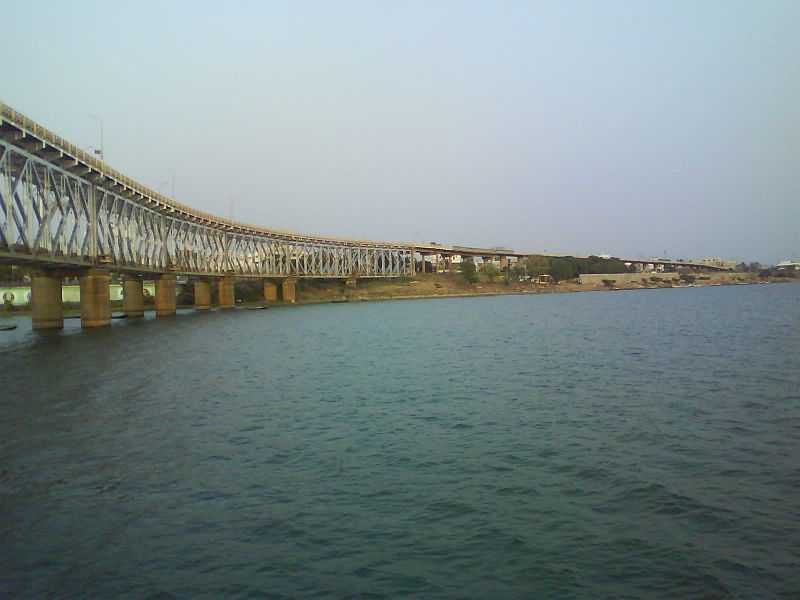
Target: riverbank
(453,285)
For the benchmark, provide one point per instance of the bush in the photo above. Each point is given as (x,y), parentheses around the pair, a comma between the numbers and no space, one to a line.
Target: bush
(490,271)
(562,269)
(595,264)
(537,265)
(569,267)
(468,271)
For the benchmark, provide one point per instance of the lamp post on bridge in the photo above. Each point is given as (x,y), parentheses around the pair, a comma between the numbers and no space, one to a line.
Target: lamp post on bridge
(101,151)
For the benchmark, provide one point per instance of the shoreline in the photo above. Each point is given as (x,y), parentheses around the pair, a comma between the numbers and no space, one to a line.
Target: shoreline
(515,292)
(116,308)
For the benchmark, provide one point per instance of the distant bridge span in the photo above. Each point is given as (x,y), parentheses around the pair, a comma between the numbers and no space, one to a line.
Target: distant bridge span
(446,250)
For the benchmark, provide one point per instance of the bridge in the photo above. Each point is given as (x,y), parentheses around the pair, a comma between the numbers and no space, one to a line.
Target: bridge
(66,213)
(441,250)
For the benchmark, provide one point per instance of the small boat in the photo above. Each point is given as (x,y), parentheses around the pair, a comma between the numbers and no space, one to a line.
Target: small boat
(256,307)
(120,316)
(7,327)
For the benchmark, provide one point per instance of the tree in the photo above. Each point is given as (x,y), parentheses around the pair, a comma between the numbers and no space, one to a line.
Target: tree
(563,268)
(490,271)
(468,271)
(537,265)
(595,264)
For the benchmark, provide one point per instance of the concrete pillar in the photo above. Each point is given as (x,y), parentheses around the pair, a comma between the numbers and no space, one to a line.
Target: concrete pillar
(133,297)
(289,290)
(95,298)
(165,295)
(227,297)
(270,291)
(504,262)
(46,306)
(202,294)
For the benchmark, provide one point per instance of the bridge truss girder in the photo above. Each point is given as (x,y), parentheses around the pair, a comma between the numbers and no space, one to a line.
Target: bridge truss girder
(53,215)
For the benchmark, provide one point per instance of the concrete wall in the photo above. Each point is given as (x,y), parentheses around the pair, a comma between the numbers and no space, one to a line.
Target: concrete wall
(69,293)
(727,276)
(626,278)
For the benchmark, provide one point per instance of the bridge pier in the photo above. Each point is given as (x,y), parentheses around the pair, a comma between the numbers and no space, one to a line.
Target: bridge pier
(95,298)
(289,290)
(270,291)
(227,297)
(202,294)
(133,297)
(166,305)
(422,263)
(46,305)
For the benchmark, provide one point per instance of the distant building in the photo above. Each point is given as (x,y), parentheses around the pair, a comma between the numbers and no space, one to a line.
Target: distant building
(715,261)
(788,265)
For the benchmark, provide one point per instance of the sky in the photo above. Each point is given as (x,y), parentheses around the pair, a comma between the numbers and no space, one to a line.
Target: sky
(635,129)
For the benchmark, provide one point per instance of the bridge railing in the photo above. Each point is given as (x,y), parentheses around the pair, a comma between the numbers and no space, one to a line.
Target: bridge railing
(51,215)
(26,123)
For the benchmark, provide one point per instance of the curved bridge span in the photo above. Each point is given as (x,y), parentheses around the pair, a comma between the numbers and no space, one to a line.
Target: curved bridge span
(68,214)
(61,206)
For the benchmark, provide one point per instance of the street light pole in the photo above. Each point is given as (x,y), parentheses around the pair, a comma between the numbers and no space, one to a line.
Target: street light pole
(101,152)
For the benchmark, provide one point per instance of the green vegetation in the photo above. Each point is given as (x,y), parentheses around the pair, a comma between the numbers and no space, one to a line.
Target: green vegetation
(537,265)
(468,271)
(562,268)
(753,267)
(490,272)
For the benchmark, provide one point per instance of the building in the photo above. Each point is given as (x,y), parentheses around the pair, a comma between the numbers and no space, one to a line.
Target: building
(788,265)
(715,261)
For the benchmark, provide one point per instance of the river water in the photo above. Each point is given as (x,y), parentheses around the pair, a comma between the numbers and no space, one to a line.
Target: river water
(641,444)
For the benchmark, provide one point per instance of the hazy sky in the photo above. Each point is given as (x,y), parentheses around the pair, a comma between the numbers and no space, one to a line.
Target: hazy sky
(633,128)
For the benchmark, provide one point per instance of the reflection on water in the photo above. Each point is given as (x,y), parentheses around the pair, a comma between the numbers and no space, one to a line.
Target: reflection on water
(589,445)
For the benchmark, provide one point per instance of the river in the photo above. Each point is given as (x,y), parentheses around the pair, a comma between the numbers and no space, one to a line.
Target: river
(638,444)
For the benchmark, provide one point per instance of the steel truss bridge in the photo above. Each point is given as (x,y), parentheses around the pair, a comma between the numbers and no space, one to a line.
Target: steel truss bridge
(61,206)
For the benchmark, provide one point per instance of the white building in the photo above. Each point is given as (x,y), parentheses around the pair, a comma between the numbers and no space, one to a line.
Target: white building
(789,265)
